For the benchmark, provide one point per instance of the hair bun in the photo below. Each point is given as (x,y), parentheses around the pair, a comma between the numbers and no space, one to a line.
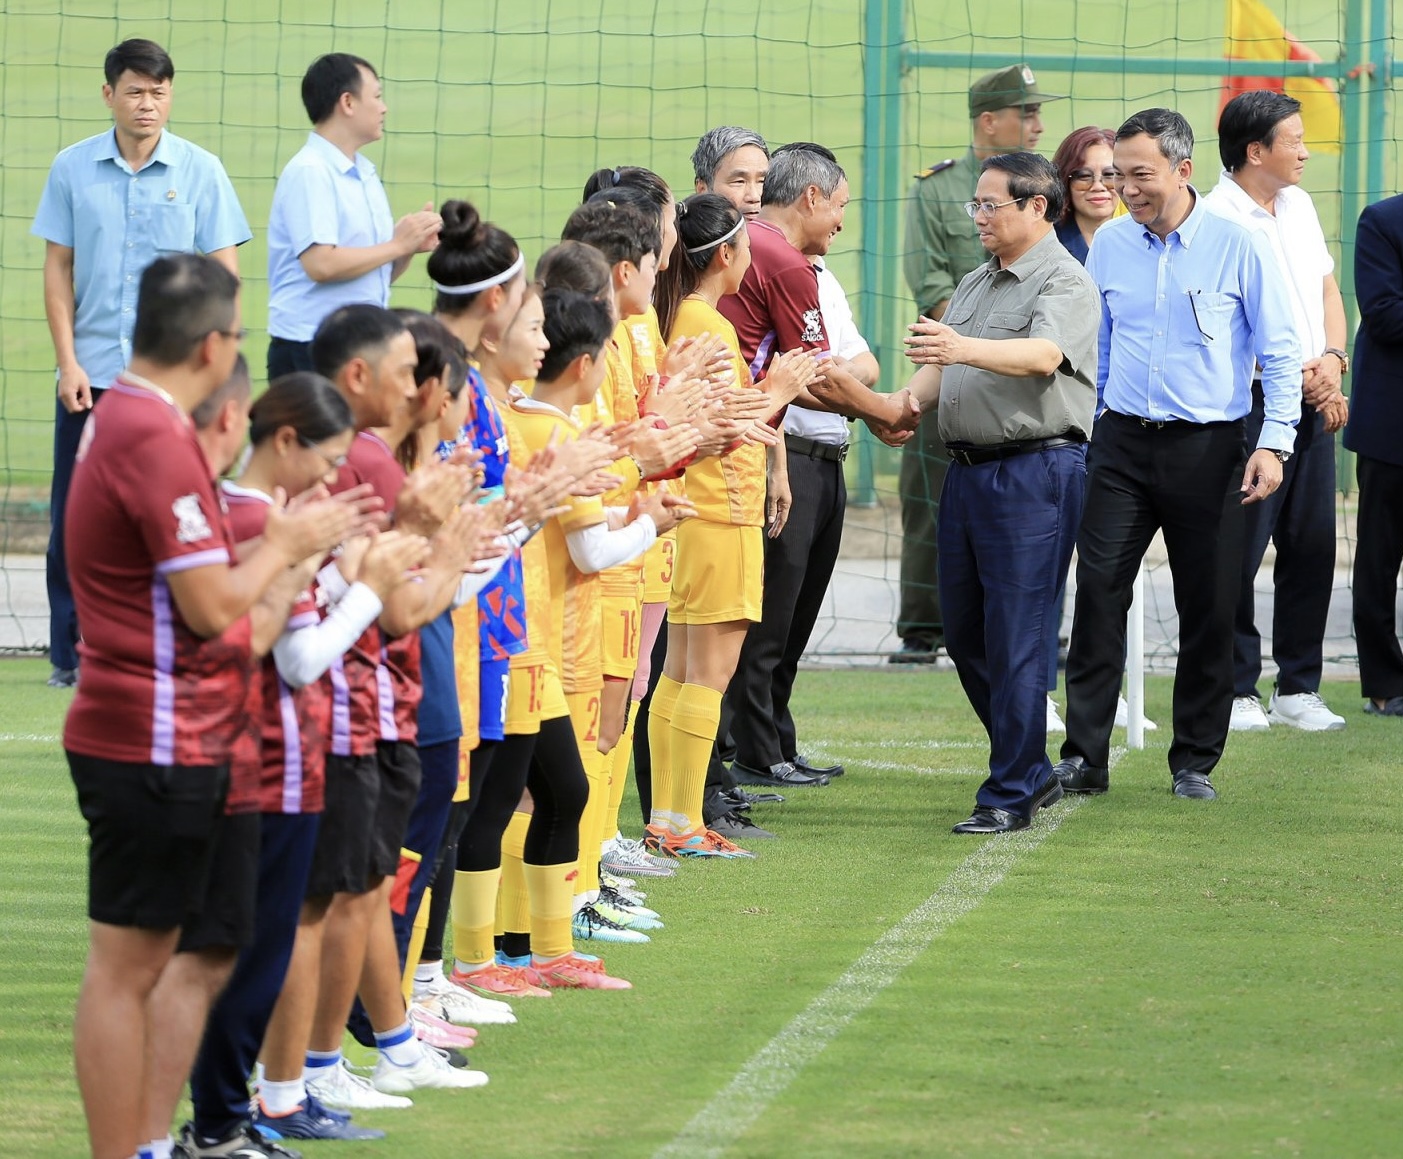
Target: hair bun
(461,225)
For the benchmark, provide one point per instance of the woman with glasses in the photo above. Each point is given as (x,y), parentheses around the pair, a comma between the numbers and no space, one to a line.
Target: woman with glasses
(1084,162)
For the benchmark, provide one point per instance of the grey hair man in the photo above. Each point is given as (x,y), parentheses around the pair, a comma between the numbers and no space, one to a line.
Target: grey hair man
(733,162)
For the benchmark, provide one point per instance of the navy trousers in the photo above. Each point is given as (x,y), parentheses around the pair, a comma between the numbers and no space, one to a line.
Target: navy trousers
(1299,517)
(1377,555)
(1005,535)
(425,833)
(234,1033)
(63,616)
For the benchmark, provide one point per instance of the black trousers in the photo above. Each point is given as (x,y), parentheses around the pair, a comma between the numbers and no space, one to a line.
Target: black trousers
(286,356)
(922,475)
(798,565)
(63,614)
(1183,479)
(1299,517)
(1377,556)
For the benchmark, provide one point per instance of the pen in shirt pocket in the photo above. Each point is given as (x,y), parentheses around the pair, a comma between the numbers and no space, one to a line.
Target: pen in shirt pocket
(1193,305)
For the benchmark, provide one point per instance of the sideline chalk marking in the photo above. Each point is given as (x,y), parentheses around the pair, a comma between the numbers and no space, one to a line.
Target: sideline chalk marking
(732,1110)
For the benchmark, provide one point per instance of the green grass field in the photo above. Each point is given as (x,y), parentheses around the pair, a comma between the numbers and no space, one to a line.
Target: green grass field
(1154,978)
(513,105)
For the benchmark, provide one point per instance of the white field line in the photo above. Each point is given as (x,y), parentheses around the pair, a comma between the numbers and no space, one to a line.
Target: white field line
(27,736)
(735,1108)
(827,746)
(923,770)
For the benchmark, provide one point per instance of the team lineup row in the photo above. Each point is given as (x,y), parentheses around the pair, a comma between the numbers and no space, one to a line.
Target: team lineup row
(526,547)
(497,509)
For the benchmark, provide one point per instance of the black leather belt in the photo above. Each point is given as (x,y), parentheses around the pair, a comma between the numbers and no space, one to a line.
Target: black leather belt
(1172,424)
(968,455)
(812,449)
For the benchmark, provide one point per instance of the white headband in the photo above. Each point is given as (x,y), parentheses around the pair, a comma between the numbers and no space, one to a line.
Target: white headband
(487,283)
(735,229)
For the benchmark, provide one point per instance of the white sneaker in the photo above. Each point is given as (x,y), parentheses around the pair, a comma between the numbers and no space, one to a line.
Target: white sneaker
(622,884)
(1123,716)
(345,1090)
(1054,721)
(1304,710)
(460,1006)
(1248,715)
(628,858)
(431,1070)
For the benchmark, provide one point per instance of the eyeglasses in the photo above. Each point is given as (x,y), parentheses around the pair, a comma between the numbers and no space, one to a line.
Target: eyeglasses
(1086,178)
(989,208)
(335,463)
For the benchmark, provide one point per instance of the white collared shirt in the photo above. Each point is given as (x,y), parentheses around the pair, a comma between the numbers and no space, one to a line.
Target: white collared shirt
(1298,244)
(846,342)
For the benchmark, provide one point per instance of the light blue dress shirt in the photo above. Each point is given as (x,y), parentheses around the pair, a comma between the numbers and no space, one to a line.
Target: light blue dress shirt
(117,222)
(1184,320)
(323,198)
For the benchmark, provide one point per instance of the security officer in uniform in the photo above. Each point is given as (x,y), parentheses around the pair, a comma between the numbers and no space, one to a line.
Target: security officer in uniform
(942,246)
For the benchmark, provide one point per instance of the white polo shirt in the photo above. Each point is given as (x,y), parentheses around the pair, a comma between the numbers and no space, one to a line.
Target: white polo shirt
(1298,243)
(844,341)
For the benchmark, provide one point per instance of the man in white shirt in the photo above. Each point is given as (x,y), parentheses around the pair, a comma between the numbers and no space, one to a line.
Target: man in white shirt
(1261,142)
(332,240)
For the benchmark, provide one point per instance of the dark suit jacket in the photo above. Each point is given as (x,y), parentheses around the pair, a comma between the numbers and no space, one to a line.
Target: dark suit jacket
(1375,427)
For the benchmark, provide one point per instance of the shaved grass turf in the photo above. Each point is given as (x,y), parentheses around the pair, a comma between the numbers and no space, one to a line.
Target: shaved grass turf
(1159,977)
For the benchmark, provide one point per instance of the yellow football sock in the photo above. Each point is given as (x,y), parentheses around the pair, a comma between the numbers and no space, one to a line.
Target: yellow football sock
(660,744)
(417,932)
(474,909)
(619,761)
(596,773)
(513,899)
(695,719)
(552,890)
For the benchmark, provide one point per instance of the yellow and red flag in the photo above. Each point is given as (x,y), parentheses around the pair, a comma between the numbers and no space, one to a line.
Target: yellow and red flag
(1254,33)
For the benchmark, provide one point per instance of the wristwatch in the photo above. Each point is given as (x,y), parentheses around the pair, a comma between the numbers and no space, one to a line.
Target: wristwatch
(1282,455)
(1341,355)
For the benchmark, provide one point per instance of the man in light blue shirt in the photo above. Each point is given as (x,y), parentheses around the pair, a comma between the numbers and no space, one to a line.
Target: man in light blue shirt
(1190,301)
(332,240)
(112,205)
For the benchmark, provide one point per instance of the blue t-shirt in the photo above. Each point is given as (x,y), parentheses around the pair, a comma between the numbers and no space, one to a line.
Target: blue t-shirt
(439,718)
(501,605)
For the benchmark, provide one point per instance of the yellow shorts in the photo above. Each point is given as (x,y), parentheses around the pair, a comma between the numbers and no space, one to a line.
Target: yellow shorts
(526,697)
(718,575)
(553,703)
(657,569)
(621,620)
(584,718)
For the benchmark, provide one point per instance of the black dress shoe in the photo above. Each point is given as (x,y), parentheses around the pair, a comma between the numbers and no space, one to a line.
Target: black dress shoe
(913,651)
(783,776)
(1076,776)
(1393,706)
(1194,785)
(1049,794)
(804,766)
(985,819)
(743,800)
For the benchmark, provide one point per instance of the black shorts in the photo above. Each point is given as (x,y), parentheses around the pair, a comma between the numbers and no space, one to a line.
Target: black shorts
(341,862)
(151,831)
(400,774)
(224,916)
